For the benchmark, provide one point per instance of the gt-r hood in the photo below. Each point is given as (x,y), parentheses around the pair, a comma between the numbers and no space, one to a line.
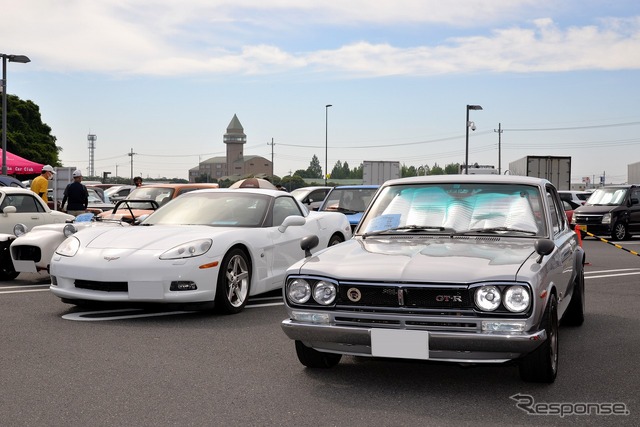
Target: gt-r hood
(424,259)
(141,237)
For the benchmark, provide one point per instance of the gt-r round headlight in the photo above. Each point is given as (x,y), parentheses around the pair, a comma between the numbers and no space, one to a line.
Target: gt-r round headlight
(69,229)
(188,250)
(488,298)
(516,299)
(324,293)
(20,229)
(69,247)
(299,291)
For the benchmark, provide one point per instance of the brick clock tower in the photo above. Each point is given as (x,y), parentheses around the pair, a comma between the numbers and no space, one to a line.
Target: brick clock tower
(235,138)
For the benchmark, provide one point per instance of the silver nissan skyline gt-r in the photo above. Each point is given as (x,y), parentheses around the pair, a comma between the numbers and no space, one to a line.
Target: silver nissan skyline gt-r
(453,268)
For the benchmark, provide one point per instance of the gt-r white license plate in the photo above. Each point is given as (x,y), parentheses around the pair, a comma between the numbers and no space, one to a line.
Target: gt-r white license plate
(399,343)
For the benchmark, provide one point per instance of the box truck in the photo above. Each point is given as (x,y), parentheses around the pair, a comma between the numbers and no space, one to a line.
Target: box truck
(556,169)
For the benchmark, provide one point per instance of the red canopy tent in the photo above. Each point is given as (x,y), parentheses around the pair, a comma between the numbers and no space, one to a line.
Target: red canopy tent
(19,166)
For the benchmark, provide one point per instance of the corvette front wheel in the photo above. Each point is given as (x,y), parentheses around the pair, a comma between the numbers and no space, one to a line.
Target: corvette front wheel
(234,280)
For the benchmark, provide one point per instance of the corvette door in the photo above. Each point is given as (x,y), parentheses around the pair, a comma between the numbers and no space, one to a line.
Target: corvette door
(286,244)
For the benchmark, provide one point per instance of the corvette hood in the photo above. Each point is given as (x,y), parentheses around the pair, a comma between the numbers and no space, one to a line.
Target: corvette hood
(141,237)
(423,259)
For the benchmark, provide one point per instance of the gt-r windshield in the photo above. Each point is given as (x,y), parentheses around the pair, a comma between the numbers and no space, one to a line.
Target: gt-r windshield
(460,209)
(219,209)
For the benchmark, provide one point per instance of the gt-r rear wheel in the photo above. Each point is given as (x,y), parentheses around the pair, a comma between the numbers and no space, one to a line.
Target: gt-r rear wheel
(316,359)
(541,365)
(234,280)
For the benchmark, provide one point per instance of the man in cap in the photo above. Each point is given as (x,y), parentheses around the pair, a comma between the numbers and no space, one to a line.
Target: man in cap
(77,195)
(40,185)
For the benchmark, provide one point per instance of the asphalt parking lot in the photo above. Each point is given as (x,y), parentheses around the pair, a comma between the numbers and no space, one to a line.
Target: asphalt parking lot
(122,366)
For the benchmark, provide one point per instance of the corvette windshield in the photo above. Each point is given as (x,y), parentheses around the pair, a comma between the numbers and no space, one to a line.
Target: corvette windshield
(220,209)
(455,208)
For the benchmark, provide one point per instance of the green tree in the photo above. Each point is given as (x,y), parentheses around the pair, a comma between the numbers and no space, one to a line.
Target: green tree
(436,170)
(27,136)
(452,168)
(314,170)
(408,171)
(338,171)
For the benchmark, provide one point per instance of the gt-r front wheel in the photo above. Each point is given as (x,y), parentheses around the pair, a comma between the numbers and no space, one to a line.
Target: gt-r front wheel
(541,365)
(233,282)
(316,359)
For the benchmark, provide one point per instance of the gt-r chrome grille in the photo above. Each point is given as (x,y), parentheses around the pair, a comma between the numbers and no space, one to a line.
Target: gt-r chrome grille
(102,286)
(355,295)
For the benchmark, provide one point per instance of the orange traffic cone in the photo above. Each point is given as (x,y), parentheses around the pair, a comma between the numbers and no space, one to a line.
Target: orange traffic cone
(576,228)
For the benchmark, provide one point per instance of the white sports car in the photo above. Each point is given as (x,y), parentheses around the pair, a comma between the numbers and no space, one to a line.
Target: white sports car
(208,246)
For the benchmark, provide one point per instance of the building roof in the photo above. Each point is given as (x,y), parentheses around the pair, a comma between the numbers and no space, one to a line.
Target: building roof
(235,126)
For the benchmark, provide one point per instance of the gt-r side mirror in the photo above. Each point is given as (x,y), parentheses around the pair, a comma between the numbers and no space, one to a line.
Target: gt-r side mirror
(308,243)
(543,247)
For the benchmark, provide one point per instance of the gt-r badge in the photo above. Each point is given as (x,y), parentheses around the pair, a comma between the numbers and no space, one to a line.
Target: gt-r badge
(354,294)
(111,258)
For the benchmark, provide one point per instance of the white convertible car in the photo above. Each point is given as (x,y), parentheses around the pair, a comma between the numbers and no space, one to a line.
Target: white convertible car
(208,246)
(21,206)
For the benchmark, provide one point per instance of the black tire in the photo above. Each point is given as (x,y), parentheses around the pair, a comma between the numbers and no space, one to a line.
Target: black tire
(574,316)
(234,281)
(541,365)
(335,239)
(316,359)
(7,271)
(620,231)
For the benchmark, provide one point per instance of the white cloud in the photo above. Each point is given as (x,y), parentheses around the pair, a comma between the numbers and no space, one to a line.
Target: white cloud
(164,37)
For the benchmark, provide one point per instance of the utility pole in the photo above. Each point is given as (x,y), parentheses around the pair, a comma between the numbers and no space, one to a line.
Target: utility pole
(131,154)
(499,149)
(271,144)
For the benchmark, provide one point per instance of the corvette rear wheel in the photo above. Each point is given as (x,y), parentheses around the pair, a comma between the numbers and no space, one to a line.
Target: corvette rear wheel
(335,239)
(234,280)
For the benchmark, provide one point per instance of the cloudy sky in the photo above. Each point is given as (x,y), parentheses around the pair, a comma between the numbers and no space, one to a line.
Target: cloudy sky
(163,78)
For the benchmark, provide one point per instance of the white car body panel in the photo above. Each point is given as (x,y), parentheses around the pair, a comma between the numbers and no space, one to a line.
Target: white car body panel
(131,255)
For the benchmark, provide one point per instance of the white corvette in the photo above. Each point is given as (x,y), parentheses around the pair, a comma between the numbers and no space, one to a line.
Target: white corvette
(208,246)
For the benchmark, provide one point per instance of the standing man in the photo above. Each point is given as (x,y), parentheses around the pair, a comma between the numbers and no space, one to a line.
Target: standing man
(137,181)
(77,195)
(40,185)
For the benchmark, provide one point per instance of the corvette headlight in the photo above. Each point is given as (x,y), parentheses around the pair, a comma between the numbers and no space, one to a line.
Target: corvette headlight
(606,218)
(488,298)
(298,291)
(19,230)
(188,250)
(324,293)
(69,247)
(516,299)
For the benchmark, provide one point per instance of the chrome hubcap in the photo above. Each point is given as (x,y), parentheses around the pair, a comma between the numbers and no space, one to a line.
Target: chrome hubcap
(237,281)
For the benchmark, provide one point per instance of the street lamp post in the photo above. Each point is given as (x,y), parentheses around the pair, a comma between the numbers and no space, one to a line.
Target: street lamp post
(326,142)
(468,124)
(11,58)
